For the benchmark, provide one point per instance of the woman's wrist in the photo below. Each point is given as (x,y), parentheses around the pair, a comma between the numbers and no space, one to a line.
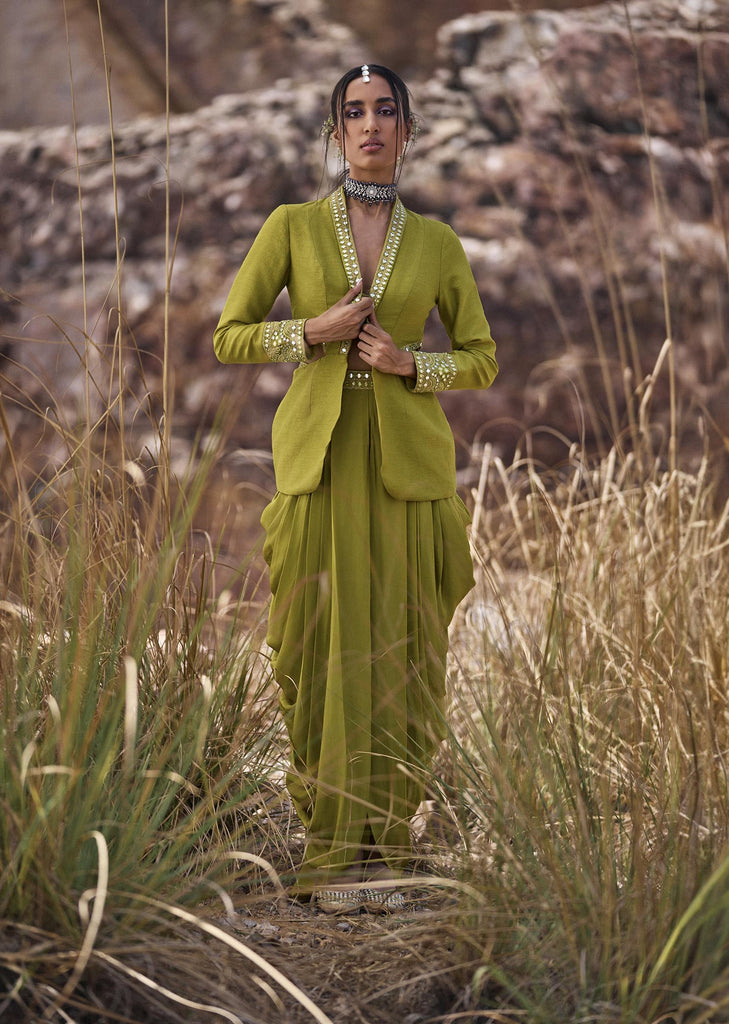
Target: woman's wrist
(311,332)
(408,365)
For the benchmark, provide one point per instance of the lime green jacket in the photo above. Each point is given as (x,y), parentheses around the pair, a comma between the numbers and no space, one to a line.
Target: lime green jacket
(308,249)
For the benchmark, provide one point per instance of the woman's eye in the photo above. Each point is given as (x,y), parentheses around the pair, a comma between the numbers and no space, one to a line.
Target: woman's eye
(354,112)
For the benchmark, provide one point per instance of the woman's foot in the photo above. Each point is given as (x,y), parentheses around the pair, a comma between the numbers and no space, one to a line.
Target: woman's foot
(383,897)
(383,901)
(342,895)
(338,901)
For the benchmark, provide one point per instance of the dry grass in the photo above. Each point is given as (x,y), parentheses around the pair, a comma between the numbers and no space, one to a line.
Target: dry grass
(577,827)
(589,770)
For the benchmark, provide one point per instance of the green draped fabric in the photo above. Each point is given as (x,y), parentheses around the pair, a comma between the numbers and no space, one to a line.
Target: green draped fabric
(364,586)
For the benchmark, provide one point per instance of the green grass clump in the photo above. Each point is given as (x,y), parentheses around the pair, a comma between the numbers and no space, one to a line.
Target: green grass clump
(137,734)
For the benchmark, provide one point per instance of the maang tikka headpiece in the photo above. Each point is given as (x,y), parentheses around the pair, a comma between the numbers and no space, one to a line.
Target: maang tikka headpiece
(365,72)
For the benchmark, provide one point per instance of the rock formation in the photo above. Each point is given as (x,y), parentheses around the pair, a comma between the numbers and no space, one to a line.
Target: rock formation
(583,158)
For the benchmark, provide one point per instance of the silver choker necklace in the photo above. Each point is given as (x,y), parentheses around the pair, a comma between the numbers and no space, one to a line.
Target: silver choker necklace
(369,191)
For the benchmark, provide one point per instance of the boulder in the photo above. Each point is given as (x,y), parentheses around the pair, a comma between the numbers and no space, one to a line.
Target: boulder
(582,157)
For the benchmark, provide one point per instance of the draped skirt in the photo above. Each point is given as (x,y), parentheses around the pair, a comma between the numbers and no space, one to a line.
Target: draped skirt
(363,589)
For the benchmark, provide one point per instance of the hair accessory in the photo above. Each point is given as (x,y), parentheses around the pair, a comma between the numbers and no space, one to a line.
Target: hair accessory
(328,127)
(369,191)
(365,72)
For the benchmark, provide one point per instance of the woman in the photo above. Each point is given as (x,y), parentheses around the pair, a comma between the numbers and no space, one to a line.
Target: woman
(366,537)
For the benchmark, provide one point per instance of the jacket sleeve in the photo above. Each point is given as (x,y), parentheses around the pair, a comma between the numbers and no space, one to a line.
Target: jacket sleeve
(471,362)
(243,334)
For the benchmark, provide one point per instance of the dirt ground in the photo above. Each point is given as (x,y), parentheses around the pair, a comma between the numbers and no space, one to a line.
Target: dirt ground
(361,968)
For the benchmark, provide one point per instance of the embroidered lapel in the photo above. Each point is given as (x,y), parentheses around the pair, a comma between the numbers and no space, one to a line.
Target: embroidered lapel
(348,252)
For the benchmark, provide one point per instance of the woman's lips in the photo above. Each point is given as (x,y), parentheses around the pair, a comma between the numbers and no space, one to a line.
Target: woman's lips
(372,147)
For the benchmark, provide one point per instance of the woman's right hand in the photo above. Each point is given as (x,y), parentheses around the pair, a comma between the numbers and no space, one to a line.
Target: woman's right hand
(342,321)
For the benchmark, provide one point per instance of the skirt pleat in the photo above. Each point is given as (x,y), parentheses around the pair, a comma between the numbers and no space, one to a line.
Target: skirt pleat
(363,589)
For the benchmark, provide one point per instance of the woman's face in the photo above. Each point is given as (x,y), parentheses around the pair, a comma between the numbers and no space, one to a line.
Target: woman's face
(370,136)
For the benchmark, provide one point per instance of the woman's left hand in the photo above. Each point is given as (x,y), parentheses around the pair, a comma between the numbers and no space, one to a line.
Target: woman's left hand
(379,351)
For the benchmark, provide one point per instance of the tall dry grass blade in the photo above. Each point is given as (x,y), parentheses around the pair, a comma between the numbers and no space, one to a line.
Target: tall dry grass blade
(660,215)
(166,438)
(254,858)
(118,346)
(168,993)
(249,954)
(512,504)
(92,929)
(82,236)
(131,713)
(480,492)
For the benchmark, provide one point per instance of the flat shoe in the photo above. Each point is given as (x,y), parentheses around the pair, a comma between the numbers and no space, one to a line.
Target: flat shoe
(338,901)
(383,901)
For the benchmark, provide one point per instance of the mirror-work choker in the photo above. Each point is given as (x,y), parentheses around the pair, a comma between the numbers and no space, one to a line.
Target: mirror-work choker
(369,191)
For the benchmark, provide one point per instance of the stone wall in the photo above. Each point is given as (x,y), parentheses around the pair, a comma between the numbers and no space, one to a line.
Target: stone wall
(534,148)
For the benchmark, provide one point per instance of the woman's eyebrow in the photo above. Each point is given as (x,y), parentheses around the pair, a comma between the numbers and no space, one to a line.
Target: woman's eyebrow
(360,103)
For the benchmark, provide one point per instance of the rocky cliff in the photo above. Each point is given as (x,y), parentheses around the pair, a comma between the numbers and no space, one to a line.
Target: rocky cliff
(583,158)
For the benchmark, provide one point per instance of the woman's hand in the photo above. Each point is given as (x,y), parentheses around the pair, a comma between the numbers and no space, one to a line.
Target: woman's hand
(378,350)
(342,321)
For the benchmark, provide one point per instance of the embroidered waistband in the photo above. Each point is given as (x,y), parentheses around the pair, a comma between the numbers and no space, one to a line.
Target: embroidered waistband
(361,380)
(358,380)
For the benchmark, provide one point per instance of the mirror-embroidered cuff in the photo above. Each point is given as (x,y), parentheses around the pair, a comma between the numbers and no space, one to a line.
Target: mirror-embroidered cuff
(284,342)
(435,371)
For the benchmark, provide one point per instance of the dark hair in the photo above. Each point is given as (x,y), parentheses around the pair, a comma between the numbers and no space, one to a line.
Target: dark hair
(400,93)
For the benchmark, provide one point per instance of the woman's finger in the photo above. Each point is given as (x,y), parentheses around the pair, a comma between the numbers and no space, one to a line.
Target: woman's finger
(354,293)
